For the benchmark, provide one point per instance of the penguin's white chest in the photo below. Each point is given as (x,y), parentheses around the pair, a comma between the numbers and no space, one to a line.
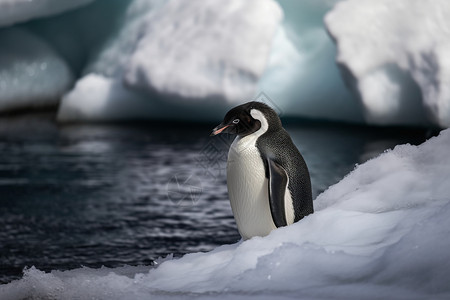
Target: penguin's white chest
(248,189)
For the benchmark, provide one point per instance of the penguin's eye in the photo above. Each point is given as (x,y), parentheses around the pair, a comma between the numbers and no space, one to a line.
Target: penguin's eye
(235,121)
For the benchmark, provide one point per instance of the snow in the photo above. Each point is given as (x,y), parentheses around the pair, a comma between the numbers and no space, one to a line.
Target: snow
(382,232)
(394,55)
(15,11)
(32,74)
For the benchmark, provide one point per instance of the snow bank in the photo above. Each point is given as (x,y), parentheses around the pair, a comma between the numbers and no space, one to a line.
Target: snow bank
(382,232)
(15,11)
(31,73)
(395,56)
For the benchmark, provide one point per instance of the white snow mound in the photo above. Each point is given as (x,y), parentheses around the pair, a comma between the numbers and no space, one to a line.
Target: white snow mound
(395,56)
(382,232)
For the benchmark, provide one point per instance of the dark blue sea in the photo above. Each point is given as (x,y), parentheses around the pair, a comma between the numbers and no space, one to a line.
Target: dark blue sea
(125,194)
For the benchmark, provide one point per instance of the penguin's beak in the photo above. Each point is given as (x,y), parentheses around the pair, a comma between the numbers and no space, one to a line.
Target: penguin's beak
(219,129)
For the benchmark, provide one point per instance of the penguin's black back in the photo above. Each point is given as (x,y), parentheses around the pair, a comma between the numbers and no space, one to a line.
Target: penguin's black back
(277,145)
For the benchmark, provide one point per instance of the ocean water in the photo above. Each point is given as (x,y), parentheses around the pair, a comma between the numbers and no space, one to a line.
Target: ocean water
(125,194)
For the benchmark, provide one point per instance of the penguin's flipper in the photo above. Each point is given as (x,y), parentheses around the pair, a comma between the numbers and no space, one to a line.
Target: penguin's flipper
(277,188)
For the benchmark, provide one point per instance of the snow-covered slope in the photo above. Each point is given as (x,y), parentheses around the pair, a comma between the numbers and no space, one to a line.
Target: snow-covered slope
(383,232)
(395,56)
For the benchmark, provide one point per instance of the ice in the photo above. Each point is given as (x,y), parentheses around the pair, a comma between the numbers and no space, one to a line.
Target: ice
(302,76)
(15,11)
(225,62)
(78,35)
(32,74)
(394,55)
(205,49)
(207,55)
(112,57)
(223,53)
(382,232)
(99,98)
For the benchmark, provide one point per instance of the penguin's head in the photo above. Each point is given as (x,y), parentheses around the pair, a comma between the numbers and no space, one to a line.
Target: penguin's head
(248,118)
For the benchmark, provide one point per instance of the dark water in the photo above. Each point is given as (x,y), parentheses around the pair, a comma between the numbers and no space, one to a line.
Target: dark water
(111,195)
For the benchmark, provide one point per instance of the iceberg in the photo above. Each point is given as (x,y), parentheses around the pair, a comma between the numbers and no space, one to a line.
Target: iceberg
(204,49)
(394,57)
(225,54)
(391,69)
(381,232)
(99,98)
(206,52)
(32,74)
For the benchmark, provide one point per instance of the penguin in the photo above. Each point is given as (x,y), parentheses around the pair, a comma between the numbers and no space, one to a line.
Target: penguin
(268,180)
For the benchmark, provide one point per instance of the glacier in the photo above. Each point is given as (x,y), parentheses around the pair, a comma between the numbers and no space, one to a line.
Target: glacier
(394,57)
(381,232)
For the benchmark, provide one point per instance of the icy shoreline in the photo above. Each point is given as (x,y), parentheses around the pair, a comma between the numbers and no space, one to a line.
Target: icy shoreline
(383,231)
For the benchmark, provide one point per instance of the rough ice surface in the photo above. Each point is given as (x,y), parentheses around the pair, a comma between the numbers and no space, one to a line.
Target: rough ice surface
(391,56)
(394,54)
(203,49)
(209,52)
(32,74)
(382,232)
(180,51)
(15,11)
